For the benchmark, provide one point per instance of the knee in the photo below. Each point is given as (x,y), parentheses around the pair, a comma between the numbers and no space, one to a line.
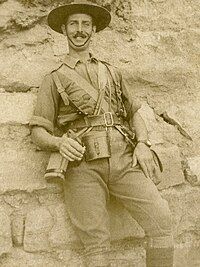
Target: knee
(164,219)
(160,223)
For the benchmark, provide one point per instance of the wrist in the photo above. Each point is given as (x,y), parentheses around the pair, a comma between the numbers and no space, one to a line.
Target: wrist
(56,142)
(147,142)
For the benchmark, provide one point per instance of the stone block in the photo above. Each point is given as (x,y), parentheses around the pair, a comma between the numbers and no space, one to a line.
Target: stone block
(7,11)
(184,204)
(172,169)
(62,233)
(16,108)
(26,165)
(38,224)
(151,123)
(31,55)
(17,224)
(27,18)
(5,233)
(192,170)
(172,116)
(21,166)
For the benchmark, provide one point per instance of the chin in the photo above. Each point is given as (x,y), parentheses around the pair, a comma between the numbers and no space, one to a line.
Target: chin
(79,47)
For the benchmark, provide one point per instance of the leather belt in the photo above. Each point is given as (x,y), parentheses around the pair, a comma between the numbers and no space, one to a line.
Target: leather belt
(106,119)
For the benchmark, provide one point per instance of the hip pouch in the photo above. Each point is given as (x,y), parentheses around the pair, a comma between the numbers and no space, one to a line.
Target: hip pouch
(97,145)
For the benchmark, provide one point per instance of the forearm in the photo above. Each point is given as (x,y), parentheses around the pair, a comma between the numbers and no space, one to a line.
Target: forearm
(68,147)
(45,140)
(139,127)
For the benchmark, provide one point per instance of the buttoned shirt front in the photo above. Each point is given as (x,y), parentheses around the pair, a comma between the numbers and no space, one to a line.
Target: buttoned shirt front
(51,112)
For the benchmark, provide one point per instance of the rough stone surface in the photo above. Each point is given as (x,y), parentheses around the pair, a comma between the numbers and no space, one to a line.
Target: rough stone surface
(62,233)
(21,166)
(16,108)
(192,170)
(28,170)
(45,211)
(184,203)
(38,224)
(172,173)
(152,124)
(169,155)
(5,235)
(156,42)
(130,256)
(17,226)
(184,257)
(171,115)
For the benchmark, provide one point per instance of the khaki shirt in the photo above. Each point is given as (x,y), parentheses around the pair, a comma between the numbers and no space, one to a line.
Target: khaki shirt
(51,112)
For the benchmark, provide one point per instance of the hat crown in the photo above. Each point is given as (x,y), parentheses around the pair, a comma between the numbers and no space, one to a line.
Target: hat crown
(83,2)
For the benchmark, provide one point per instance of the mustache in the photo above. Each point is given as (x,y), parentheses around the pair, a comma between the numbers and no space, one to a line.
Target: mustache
(80,34)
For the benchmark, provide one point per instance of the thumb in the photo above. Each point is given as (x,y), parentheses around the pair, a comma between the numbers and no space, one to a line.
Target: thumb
(157,176)
(134,162)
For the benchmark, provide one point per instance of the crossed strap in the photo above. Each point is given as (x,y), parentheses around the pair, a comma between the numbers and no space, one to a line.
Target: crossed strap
(85,85)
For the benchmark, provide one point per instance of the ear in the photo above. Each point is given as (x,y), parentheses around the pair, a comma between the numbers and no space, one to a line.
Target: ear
(94,29)
(63,28)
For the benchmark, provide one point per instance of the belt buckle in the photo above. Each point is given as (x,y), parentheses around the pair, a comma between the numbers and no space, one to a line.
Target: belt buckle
(108,119)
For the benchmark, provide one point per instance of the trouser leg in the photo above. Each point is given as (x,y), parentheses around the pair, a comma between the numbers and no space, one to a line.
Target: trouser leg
(141,198)
(86,195)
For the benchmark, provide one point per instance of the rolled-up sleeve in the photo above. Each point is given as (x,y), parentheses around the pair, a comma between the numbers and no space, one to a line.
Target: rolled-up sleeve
(46,108)
(131,102)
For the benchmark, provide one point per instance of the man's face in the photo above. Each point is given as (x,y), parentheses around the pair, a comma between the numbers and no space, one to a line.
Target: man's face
(79,29)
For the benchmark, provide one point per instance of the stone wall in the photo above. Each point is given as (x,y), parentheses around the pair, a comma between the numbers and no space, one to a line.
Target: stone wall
(157,43)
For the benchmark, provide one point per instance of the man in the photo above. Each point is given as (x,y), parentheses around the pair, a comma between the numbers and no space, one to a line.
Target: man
(104,162)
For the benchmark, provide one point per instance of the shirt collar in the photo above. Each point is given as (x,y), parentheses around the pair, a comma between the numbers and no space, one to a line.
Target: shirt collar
(72,61)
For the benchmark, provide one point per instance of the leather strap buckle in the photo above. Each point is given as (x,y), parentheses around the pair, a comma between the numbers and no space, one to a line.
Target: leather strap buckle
(108,119)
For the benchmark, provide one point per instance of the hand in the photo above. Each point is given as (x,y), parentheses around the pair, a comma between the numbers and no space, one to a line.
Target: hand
(70,149)
(144,156)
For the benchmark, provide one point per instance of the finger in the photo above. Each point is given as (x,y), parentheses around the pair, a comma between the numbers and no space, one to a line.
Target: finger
(72,150)
(157,176)
(134,162)
(70,155)
(150,168)
(72,144)
(156,161)
(77,146)
(65,156)
(144,168)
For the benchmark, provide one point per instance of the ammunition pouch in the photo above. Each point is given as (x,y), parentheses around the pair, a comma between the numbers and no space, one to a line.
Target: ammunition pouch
(97,145)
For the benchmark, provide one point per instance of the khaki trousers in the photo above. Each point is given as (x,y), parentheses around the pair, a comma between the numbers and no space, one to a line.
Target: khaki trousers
(87,189)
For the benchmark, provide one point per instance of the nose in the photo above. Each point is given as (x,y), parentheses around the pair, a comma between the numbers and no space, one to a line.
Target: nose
(80,26)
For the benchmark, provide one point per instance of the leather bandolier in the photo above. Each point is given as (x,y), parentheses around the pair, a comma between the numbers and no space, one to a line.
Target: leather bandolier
(91,130)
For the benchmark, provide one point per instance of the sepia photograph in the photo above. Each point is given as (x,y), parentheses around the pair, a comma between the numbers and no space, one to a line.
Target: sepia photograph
(99,133)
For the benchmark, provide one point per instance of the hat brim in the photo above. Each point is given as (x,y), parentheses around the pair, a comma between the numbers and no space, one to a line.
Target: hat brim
(58,16)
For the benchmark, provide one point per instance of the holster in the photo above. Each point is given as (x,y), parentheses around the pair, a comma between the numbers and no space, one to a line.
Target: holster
(97,145)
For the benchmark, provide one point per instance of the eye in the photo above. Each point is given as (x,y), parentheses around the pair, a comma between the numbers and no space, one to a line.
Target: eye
(72,23)
(87,24)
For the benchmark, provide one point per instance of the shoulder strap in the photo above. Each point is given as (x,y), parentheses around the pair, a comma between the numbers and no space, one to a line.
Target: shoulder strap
(112,73)
(85,85)
(60,88)
(102,75)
